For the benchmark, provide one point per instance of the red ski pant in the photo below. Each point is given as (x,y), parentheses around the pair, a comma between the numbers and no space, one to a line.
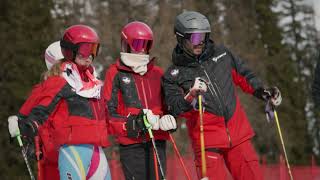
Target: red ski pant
(241,161)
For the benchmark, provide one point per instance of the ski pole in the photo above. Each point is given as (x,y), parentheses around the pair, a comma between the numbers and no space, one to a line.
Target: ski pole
(180,158)
(203,153)
(38,154)
(148,127)
(155,164)
(25,157)
(282,142)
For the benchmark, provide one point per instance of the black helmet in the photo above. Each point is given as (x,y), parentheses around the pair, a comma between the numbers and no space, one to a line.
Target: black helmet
(191,22)
(188,23)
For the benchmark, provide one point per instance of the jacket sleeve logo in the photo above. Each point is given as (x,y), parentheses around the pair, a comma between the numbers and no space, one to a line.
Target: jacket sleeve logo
(126,80)
(174,72)
(215,59)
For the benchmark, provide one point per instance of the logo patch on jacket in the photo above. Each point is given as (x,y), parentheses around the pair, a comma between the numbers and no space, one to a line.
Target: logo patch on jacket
(215,59)
(174,72)
(126,80)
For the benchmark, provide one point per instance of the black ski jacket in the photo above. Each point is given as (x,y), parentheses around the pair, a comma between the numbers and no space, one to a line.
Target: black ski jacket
(225,122)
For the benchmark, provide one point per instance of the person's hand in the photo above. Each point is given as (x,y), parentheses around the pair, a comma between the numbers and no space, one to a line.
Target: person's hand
(152,119)
(13,126)
(198,87)
(167,122)
(28,129)
(273,94)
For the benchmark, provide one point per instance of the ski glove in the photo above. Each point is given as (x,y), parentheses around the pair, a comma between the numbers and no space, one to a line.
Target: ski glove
(135,125)
(13,126)
(273,94)
(167,122)
(28,129)
(198,87)
(152,118)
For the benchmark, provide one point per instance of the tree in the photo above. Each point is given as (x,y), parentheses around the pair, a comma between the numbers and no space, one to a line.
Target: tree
(24,36)
(299,37)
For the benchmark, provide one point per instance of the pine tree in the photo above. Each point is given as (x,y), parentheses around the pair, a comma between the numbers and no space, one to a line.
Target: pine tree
(26,30)
(299,37)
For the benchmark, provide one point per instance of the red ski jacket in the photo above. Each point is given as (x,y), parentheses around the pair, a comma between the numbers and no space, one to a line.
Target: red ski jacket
(127,92)
(49,151)
(225,122)
(66,117)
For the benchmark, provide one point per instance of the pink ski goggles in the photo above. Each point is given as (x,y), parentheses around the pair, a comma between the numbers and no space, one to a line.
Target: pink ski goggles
(196,38)
(88,49)
(141,45)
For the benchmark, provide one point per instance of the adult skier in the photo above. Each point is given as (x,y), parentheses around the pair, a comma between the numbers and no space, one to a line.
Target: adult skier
(72,109)
(201,67)
(132,90)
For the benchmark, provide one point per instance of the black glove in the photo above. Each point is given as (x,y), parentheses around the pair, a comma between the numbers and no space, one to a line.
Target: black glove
(28,129)
(273,94)
(135,125)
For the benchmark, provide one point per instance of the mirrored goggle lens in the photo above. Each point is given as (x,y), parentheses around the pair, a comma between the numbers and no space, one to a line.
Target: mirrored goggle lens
(141,45)
(87,49)
(197,38)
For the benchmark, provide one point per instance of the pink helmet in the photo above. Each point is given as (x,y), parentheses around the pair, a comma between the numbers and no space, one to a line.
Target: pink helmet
(136,37)
(79,39)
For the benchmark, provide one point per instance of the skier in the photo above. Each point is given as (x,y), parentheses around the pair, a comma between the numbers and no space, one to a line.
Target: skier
(201,67)
(133,89)
(49,164)
(71,107)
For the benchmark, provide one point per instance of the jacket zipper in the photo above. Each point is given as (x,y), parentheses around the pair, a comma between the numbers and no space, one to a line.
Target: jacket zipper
(229,138)
(94,109)
(214,88)
(149,88)
(144,93)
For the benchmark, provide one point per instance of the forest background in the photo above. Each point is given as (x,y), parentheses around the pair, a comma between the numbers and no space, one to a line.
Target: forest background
(277,39)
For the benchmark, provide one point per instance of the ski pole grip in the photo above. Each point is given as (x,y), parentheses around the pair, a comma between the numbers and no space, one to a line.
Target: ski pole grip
(148,126)
(19,140)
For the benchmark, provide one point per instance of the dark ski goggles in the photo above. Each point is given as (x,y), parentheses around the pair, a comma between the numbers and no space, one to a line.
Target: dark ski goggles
(141,45)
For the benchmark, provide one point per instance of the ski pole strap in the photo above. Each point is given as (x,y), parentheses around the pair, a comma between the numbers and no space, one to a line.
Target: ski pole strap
(269,110)
(148,126)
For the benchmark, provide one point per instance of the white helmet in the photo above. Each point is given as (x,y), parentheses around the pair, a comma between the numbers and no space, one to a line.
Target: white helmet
(53,54)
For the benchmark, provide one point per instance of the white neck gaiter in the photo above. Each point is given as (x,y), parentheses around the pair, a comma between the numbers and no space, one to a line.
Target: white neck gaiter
(90,89)
(137,62)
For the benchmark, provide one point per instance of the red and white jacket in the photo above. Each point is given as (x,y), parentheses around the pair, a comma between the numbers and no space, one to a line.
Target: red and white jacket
(127,92)
(64,116)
